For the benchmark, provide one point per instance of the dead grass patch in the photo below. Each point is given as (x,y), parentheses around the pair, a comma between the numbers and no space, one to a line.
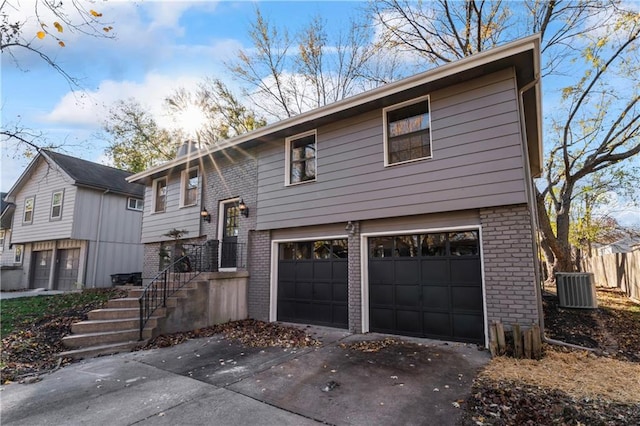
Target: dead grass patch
(579,374)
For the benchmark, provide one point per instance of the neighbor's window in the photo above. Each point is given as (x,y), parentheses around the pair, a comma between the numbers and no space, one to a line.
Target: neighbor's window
(2,231)
(29,204)
(407,131)
(56,205)
(160,195)
(135,204)
(190,187)
(301,158)
(17,258)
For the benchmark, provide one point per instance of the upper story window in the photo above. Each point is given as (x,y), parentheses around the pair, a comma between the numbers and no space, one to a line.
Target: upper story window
(2,233)
(190,183)
(56,205)
(407,131)
(301,158)
(29,204)
(159,195)
(135,204)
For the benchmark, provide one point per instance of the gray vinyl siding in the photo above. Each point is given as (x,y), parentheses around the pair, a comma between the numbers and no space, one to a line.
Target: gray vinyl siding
(44,181)
(155,225)
(477,162)
(113,258)
(116,222)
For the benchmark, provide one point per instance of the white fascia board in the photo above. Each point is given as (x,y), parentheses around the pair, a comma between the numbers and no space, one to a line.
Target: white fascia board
(464,64)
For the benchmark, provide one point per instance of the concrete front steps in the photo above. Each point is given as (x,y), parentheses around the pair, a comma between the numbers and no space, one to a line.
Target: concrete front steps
(116,328)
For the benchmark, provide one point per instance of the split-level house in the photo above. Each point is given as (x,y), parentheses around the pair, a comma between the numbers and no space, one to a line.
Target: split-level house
(407,209)
(74,224)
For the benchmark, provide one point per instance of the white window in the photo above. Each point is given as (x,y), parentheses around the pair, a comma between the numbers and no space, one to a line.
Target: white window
(159,195)
(56,205)
(2,231)
(135,204)
(301,158)
(29,205)
(407,131)
(17,258)
(190,185)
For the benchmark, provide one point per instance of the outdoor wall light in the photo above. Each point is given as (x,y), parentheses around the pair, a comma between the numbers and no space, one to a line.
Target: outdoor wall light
(204,214)
(244,210)
(350,228)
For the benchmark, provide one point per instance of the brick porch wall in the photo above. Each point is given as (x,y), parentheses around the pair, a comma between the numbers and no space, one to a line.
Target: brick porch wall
(259,265)
(509,265)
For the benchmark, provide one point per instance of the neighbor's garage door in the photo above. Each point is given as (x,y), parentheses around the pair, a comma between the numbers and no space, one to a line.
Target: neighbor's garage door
(41,268)
(427,285)
(312,282)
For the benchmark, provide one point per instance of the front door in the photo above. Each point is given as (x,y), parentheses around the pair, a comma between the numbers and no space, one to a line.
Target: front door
(229,246)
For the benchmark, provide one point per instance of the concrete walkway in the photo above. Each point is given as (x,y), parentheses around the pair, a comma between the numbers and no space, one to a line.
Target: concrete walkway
(214,381)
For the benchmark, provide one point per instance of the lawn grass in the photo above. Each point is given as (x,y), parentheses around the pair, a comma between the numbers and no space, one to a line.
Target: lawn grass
(20,312)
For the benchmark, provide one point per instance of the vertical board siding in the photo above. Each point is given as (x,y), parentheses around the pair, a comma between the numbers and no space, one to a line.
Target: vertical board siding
(477,162)
(43,182)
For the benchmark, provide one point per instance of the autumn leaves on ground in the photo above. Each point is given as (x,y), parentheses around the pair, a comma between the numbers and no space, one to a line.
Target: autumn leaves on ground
(565,387)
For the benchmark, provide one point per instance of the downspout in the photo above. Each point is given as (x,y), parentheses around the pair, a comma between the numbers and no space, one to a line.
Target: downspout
(534,219)
(95,257)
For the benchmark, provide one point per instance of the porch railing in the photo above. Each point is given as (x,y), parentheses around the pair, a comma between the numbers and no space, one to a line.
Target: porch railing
(194,259)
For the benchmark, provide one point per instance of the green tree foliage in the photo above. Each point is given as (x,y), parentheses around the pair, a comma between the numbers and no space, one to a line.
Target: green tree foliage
(595,127)
(136,142)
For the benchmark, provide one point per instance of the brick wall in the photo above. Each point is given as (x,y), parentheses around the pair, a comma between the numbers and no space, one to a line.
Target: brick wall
(355,281)
(259,253)
(508,265)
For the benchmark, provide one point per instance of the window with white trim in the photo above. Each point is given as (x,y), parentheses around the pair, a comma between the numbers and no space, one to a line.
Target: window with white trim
(135,204)
(160,195)
(407,131)
(301,158)
(17,253)
(190,182)
(56,205)
(29,205)
(2,234)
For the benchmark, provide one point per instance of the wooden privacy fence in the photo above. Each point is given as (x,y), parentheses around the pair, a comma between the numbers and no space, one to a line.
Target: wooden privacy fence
(520,342)
(616,270)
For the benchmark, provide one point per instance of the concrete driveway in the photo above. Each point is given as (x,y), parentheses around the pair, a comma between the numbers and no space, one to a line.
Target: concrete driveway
(216,381)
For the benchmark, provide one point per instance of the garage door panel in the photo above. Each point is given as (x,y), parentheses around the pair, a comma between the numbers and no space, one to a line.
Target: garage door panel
(341,292)
(466,298)
(286,310)
(406,271)
(340,313)
(437,324)
(322,291)
(436,297)
(409,322)
(468,327)
(381,295)
(382,319)
(304,270)
(304,290)
(381,272)
(407,295)
(287,271)
(287,290)
(434,271)
(340,269)
(466,271)
(322,270)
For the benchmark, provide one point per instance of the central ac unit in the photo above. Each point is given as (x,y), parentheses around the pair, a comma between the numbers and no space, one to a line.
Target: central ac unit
(576,290)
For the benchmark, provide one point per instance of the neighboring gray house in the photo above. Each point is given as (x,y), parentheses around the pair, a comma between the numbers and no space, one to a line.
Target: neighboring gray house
(407,209)
(74,224)
(10,259)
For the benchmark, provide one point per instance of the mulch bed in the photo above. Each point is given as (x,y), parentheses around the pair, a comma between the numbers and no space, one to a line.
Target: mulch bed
(538,396)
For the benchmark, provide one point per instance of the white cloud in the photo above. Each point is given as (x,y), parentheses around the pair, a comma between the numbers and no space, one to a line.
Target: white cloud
(89,109)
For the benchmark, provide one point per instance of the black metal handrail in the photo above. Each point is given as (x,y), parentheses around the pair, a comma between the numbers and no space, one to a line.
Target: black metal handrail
(194,260)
